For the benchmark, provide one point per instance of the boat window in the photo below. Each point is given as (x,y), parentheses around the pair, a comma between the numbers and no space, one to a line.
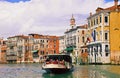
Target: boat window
(59,57)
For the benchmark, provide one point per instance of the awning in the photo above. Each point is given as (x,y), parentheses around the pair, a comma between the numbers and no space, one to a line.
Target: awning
(34,51)
(69,49)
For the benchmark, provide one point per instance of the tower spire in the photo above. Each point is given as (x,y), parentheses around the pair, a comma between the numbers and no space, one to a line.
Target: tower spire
(72,21)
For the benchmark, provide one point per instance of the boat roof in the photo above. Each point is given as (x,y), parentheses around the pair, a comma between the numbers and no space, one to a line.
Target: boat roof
(65,57)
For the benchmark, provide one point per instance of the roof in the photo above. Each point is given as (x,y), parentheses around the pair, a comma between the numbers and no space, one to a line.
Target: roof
(22,36)
(38,36)
(112,8)
(115,7)
(78,27)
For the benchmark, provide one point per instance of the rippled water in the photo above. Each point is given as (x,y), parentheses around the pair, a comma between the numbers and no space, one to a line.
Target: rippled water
(35,71)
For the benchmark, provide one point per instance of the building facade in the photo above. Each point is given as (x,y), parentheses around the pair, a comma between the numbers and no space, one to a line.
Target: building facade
(3,49)
(44,45)
(11,50)
(100,33)
(62,46)
(18,49)
(115,37)
(74,40)
(31,48)
(82,45)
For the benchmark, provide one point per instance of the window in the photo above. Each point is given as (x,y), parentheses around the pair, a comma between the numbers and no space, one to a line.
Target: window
(100,19)
(82,51)
(11,47)
(97,21)
(106,48)
(91,49)
(42,52)
(106,19)
(78,39)
(106,36)
(106,54)
(94,35)
(54,52)
(88,23)
(83,32)
(86,50)
(96,48)
(100,48)
(94,22)
(83,39)
(54,45)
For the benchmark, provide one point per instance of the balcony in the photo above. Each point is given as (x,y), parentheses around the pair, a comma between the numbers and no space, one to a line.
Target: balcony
(11,53)
(20,50)
(11,58)
(11,44)
(94,42)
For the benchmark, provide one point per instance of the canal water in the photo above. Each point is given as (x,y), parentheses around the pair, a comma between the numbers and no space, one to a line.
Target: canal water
(80,71)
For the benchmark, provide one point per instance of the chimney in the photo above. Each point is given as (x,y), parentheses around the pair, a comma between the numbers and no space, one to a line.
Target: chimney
(115,2)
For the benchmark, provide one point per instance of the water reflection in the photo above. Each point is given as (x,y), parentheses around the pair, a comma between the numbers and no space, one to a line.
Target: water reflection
(66,75)
(79,72)
(35,71)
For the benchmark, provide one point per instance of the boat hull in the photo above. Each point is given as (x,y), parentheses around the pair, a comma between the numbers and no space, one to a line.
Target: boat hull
(56,68)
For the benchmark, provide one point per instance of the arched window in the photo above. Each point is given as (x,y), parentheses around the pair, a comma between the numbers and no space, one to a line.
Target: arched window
(106,19)
(83,39)
(94,35)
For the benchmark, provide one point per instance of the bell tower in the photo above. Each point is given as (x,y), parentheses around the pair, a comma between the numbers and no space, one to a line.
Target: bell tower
(72,22)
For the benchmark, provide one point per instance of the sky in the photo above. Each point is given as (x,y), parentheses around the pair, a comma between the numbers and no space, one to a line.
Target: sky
(47,17)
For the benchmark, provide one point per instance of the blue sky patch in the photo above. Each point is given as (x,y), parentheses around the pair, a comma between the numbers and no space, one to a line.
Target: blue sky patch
(13,1)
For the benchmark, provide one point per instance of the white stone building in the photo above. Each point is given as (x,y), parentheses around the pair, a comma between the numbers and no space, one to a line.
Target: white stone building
(74,40)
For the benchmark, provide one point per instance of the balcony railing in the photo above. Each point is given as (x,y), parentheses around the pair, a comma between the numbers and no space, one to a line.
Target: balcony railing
(11,44)
(11,58)
(11,53)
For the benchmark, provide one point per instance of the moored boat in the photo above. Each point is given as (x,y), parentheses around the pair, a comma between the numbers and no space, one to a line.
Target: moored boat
(59,63)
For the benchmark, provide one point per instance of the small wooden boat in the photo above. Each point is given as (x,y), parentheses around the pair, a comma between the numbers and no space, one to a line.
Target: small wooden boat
(59,63)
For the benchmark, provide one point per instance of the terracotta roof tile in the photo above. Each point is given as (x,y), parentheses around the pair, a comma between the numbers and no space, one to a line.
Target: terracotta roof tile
(112,8)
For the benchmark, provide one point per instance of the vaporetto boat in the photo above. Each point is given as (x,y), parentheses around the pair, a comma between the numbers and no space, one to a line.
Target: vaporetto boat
(58,63)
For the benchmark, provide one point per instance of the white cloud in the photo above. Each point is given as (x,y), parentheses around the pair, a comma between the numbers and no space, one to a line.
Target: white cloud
(44,16)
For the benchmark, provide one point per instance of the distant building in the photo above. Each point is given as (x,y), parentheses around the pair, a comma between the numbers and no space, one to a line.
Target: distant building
(3,49)
(62,46)
(83,45)
(23,49)
(18,49)
(74,40)
(31,48)
(12,50)
(44,45)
